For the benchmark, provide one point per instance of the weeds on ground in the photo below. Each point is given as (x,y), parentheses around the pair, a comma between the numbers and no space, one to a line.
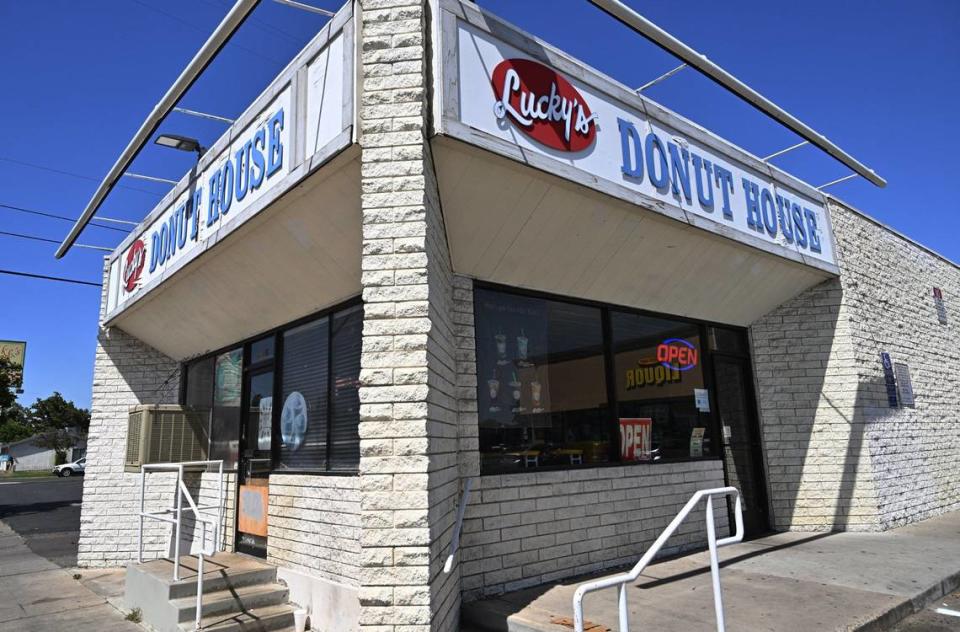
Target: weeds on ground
(134,615)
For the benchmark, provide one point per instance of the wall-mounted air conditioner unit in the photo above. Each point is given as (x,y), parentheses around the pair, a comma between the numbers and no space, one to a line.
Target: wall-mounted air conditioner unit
(165,434)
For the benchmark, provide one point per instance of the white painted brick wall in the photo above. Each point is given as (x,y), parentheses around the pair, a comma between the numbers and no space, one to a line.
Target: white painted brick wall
(126,373)
(837,455)
(408,439)
(314,525)
(914,452)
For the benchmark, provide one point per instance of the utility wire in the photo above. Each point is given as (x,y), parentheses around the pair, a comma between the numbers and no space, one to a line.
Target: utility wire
(194,27)
(49,278)
(75,175)
(31,211)
(261,24)
(51,241)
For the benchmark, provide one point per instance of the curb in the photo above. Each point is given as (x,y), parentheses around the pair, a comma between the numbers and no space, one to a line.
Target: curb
(910,606)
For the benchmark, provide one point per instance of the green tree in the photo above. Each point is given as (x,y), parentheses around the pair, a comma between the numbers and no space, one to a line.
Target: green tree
(15,424)
(58,423)
(7,395)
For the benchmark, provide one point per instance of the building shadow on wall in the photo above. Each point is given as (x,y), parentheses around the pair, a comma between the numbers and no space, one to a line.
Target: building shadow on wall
(815,405)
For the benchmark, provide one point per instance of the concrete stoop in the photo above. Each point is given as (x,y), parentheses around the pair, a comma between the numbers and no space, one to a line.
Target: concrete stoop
(240,594)
(785,582)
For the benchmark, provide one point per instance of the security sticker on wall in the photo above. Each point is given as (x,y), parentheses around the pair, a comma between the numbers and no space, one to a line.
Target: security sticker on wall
(265,427)
(701,398)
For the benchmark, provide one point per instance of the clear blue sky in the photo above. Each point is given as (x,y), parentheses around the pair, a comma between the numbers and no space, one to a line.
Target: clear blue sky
(880,78)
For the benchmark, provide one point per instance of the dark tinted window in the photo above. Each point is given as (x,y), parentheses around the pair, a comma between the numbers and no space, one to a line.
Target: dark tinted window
(542,389)
(346,342)
(726,340)
(262,350)
(199,395)
(305,376)
(663,402)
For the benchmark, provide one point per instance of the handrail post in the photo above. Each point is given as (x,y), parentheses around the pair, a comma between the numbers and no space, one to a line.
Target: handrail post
(199,613)
(714,565)
(176,544)
(622,603)
(218,539)
(143,485)
(623,580)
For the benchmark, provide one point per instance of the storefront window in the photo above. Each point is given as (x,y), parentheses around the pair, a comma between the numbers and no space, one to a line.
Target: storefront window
(198,397)
(663,403)
(346,341)
(542,392)
(563,384)
(315,425)
(225,424)
(303,418)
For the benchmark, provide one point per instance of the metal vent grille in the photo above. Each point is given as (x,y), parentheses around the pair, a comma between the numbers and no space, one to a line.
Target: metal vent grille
(134,435)
(164,434)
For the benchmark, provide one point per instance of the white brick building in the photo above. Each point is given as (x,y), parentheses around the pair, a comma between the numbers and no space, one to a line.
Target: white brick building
(393,276)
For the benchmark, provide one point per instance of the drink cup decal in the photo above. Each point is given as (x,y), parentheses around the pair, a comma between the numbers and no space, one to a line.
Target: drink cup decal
(501,348)
(522,346)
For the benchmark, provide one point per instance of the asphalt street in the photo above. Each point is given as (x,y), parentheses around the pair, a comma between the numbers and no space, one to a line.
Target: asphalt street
(46,514)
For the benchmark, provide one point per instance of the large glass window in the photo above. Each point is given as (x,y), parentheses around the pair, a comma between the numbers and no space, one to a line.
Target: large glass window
(315,424)
(198,397)
(542,385)
(346,340)
(664,409)
(305,375)
(562,384)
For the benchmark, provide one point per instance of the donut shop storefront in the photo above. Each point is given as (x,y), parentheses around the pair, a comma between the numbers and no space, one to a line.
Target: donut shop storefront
(546,289)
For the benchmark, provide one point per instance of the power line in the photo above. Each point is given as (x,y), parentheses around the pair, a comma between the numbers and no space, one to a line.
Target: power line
(49,278)
(51,241)
(194,27)
(31,211)
(74,175)
(261,24)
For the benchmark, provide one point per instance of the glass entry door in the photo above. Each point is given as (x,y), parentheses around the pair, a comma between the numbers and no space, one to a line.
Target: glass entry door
(742,450)
(256,437)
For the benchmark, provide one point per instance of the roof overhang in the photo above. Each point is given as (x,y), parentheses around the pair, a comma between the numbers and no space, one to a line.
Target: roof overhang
(633,151)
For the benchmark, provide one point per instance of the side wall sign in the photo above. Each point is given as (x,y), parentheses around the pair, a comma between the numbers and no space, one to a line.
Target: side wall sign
(252,164)
(507,94)
(300,121)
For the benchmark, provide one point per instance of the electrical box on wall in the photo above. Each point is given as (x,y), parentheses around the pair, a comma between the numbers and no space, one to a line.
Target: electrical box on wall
(164,434)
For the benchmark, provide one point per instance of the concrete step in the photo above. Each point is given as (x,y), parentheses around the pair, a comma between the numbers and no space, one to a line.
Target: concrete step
(240,593)
(220,572)
(231,601)
(266,619)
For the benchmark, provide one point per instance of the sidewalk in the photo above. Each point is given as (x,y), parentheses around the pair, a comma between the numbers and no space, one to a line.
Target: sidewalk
(787,582)
(38,596)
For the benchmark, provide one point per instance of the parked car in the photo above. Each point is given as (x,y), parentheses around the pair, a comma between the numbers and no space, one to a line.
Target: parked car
(69,469)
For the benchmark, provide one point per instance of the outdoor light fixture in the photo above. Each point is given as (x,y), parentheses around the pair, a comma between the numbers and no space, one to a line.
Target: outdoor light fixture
(182,143)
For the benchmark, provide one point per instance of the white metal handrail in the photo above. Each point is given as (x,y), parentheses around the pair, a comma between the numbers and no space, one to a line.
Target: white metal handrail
(177,510)
(625,579)
(455,540)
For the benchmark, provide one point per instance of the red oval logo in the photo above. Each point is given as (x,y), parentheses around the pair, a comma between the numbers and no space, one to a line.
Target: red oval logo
(136,257)
(545,106)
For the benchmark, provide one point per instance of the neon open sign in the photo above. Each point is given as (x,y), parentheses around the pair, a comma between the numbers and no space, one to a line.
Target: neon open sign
(677,354)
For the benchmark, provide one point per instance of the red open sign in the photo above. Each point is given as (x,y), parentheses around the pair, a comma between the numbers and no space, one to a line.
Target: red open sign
(676,353)
(635,438)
